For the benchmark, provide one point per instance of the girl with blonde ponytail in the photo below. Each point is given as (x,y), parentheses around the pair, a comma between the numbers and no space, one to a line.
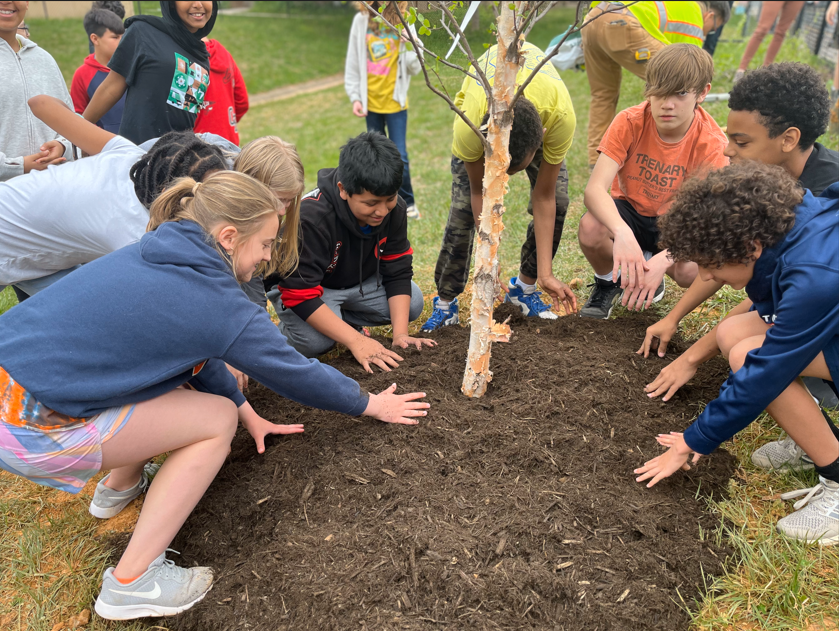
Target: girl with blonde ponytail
(103,386)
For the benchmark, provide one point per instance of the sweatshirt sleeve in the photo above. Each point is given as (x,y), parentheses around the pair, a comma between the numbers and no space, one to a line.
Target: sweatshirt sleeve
(78,90)
(262,353)
(353,65)
(397,259)
(216,379)
(240,92)
(805,323)
(301,291)
(10,166)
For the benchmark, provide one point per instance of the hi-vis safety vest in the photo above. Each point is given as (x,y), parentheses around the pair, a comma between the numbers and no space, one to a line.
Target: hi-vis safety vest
(670,22)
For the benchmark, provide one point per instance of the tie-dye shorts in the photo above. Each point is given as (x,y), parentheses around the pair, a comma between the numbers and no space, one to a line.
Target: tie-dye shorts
(50,448)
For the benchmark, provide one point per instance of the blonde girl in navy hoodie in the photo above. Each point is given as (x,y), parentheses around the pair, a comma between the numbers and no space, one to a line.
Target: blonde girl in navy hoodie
(751,226)
(97,384)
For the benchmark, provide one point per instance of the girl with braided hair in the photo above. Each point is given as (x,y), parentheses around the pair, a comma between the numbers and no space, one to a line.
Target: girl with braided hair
(54,220)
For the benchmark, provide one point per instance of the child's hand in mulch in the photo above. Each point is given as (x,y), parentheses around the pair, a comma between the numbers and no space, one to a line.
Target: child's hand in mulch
(396,408)
(259,428)
(665,465)
(403,340)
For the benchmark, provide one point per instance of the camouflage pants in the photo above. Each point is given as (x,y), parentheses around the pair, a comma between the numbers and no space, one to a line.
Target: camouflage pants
(454,261)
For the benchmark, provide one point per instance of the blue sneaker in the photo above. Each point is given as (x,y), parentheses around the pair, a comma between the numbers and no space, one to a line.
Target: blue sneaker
(531,305)
(441,317)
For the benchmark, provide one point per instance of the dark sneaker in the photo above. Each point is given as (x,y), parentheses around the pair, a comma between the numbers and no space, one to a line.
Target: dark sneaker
(659,292)
(441,317)
(602,299)
(163,590)
(531,304)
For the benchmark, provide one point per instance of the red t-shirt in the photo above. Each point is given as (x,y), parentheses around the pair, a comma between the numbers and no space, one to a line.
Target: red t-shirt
(226,100)
(651,170)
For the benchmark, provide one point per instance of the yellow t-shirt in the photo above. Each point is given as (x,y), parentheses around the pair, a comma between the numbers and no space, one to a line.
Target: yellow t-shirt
(547,92)
(382,57)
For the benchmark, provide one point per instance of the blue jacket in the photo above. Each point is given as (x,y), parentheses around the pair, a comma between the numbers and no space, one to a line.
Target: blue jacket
(149,317)
(795,287)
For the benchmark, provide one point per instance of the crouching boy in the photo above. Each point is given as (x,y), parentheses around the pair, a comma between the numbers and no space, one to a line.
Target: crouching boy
(751,226)
(646,154)
(355,259)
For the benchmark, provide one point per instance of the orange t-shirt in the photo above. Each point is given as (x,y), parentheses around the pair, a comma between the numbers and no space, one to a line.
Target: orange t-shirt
(651,170)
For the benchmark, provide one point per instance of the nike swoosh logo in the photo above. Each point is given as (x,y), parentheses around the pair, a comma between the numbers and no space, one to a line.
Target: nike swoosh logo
(154,593)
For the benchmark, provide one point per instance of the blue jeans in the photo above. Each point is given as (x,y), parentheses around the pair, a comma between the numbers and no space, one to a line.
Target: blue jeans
(397,127)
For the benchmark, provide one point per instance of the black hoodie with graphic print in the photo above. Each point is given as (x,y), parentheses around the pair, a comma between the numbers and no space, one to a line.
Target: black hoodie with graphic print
(336,254)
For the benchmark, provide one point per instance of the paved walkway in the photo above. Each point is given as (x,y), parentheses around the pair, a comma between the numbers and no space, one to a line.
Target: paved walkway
(290,91)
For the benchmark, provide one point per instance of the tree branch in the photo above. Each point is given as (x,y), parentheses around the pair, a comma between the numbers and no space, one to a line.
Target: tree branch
(414,41)
(538,17)
(575,28)
(472,59)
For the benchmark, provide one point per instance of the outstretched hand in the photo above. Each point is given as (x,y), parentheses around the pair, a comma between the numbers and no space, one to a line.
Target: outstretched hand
(665,465)
(560,293)
(671,378)
(658,337)
(396,408)
(259,428)
(403,340)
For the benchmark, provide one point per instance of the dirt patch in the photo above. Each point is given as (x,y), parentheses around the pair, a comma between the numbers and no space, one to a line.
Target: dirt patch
(517,510)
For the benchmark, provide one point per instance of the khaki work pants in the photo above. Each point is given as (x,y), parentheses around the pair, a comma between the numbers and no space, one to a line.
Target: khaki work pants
(610,44)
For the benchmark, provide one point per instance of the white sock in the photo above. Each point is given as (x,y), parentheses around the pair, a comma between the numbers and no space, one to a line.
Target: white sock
(648,255)
(443,304)
(607,277)
(527,289)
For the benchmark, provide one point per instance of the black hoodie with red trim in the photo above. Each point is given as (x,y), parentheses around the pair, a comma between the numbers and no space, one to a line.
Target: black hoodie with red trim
(336,254)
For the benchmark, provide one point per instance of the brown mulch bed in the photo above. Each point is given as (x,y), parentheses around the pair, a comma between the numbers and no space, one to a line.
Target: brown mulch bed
(518,510)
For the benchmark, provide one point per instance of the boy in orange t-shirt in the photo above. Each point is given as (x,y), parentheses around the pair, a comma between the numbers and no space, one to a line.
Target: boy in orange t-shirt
(647,153)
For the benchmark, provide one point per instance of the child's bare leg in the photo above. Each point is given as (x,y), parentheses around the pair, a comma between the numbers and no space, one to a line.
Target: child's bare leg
(596,243)
(197,429)
(794,409)
(684,273)
(734,329)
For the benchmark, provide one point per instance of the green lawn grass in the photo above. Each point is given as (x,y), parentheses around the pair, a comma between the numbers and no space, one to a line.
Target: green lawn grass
(270,52)
(770,583)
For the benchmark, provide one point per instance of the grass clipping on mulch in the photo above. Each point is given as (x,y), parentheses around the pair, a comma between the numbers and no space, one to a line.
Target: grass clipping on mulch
(516,510)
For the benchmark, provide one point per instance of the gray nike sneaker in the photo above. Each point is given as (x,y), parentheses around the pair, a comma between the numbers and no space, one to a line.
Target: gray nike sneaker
(782,454)
(816,516)
(107,502)
(163,590)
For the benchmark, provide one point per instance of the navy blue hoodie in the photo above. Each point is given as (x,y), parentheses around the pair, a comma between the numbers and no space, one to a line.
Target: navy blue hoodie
(795,287)
(149,317)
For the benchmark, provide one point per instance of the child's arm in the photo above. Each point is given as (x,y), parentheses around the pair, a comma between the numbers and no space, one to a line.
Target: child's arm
(87,136)
(400,307)
(683,368)
(660,333)
(106,96)
(627,256)
(240,94)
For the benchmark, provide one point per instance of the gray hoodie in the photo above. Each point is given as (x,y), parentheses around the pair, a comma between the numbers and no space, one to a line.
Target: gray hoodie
(29,72)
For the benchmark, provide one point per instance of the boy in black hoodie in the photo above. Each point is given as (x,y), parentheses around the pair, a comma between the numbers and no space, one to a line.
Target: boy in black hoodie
(355,259)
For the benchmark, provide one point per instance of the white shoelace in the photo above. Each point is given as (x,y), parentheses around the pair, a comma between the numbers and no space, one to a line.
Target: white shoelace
(812,493)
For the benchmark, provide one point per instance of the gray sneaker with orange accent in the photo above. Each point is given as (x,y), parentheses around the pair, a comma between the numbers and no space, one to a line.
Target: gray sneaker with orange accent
(163,590)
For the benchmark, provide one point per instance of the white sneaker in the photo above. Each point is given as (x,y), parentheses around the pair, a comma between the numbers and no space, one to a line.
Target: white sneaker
(782,454)
(163,590)
(413,212)
(816,517)
(107,502)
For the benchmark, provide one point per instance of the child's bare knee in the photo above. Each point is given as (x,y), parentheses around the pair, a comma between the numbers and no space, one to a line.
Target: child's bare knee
(737,355)
(728,335)
(228,417)
(685,274)
(591,232)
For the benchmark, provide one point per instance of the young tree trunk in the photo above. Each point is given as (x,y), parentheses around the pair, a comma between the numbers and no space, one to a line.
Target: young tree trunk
(485,330)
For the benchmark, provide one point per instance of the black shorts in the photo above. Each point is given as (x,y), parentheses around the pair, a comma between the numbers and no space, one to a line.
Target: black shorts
(644,228)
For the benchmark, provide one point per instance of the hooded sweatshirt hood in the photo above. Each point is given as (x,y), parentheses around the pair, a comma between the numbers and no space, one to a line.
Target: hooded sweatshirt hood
(798,295)
(141,321)
(173,26)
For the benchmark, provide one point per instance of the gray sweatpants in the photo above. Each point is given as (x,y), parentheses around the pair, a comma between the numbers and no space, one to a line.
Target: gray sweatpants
(369,309)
